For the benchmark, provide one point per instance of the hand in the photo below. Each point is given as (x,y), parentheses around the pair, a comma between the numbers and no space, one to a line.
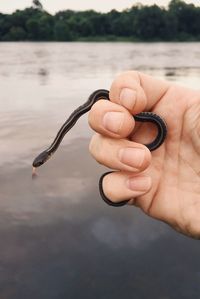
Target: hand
(165,184)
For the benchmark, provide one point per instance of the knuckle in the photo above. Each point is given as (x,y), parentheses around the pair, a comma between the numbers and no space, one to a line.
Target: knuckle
(128,79)
(147,159)
(127,75)
(96,109)
(124,75)
(91,116)
(97,106)
(93,144)
(96,148)
(108,189)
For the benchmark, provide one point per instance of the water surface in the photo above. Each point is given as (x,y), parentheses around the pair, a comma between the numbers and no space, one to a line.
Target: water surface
(58,239)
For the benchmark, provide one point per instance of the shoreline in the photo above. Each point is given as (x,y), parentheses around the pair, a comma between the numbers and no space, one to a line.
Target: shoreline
(88,40)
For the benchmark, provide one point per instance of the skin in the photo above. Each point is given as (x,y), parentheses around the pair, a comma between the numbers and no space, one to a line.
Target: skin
(165,183)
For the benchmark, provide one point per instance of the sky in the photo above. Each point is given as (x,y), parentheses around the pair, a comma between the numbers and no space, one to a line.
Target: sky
(7,6)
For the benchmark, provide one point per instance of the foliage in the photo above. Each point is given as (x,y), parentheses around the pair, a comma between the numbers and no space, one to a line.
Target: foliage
(180,21)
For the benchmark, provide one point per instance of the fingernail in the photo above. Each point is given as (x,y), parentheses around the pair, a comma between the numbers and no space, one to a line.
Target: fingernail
(133,157)
(128,98)
(113,121)
(142,183)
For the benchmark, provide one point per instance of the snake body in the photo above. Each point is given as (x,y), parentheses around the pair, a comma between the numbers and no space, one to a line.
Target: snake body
(76,114)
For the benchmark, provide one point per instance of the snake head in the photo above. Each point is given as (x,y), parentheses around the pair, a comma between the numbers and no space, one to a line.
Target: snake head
(41,159)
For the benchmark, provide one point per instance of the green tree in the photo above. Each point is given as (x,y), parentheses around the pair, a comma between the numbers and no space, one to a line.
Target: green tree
(46,27)
(187,18)
(180,21)
(32,26)
(5,25)
(62,31)
(16,34)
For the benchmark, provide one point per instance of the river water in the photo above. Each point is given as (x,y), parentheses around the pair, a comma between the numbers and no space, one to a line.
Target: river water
(58,239)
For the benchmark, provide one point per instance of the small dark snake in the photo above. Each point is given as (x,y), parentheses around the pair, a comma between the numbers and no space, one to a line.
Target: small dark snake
(76,114)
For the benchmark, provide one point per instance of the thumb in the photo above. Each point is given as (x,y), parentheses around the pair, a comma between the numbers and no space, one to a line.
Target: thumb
(137,91)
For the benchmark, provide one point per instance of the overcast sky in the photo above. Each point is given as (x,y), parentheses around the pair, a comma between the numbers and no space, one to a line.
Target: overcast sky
(53,6)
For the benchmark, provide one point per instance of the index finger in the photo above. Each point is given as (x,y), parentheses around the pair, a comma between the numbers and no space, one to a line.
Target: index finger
(137,91)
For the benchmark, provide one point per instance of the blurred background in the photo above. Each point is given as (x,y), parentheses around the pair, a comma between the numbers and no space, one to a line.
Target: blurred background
(58,239)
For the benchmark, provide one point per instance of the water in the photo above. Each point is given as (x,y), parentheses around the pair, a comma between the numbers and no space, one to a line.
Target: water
(58,239)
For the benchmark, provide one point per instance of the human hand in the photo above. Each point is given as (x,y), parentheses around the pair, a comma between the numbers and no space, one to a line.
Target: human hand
(165,183)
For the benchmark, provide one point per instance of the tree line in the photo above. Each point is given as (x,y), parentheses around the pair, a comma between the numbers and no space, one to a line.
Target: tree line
(178,22)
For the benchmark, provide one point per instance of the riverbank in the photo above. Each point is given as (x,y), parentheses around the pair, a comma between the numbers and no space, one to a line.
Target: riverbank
(178,22)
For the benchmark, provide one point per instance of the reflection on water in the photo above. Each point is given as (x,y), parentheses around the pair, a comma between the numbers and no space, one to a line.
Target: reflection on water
(58,239)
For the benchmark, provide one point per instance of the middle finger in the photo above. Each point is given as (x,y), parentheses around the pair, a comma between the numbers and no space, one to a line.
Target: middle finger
(120,154)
